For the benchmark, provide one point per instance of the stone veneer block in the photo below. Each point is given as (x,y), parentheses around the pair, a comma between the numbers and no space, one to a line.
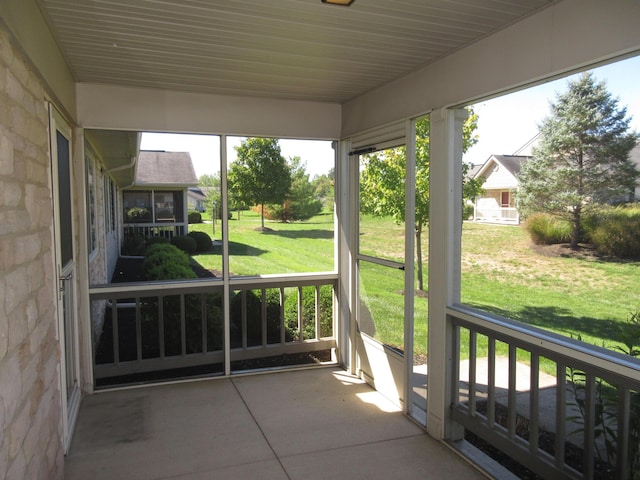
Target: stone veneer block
(30,404)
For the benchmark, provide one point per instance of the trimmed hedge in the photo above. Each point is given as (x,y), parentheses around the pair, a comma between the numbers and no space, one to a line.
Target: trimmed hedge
(167,262)
(309,312)
(184,243)
(202,239)
(254,318)
(156,240)
(194,216)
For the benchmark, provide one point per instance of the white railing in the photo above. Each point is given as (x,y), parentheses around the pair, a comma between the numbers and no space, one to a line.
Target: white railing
(159,229)
(161,326)
(583,424)
(497,214)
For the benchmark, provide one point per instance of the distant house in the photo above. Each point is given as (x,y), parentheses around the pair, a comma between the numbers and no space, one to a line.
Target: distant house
(196,199)
(156,203)
(635,158)
(498,203)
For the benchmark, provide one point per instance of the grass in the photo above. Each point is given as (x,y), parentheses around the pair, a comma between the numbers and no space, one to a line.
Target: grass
(502,273)
(284,248)
(580,297)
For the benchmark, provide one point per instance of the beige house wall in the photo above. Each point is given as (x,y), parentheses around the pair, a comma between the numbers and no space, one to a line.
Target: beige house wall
(30,404)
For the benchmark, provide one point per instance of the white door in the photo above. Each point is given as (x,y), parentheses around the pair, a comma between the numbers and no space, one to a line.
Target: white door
(65,269)
(381,258)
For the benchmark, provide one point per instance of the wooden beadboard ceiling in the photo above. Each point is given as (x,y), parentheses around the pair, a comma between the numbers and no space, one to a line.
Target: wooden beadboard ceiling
(293,49)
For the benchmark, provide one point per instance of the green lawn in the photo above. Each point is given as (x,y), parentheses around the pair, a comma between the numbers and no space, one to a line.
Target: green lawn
(286,248)
(501,273)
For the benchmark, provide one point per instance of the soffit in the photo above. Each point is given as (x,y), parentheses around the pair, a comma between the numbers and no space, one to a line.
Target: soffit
(117,152)
(289,49)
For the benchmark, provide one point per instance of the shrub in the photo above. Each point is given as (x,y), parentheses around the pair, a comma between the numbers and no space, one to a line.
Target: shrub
(203,241)
(309,312)
(133,244)
(155,241)
(254,317)
(184,243)
(545,229)
(194,217)
(616,232)
(167,262)
(137,215)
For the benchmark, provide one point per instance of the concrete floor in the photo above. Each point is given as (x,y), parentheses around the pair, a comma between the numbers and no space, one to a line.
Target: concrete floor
(307,424)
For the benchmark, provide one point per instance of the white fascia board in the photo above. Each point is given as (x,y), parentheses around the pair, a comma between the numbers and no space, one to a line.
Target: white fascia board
(142,109)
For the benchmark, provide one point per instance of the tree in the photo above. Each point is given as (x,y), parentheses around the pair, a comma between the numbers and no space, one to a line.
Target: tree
(582,159)
(210,186)
(382,181)
(300,202)
(260,175)
(325,188)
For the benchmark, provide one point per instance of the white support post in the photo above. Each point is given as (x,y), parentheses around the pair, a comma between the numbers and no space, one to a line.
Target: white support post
(345,196)
(82,259)
(409,261)
(445,227)
(226,307)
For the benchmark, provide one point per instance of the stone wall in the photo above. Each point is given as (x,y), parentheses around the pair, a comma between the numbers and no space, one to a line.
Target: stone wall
(30,404)
(97,258)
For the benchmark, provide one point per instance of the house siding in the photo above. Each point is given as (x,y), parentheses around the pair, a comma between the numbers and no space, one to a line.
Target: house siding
(499,178)
(30,404)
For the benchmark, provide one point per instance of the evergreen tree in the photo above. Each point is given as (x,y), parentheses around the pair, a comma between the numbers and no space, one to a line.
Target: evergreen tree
(583,156)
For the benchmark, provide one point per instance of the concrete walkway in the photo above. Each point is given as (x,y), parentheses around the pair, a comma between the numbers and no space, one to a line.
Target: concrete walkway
(308,424)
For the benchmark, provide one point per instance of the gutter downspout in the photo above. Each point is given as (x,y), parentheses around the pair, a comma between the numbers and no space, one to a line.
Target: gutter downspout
(131,164)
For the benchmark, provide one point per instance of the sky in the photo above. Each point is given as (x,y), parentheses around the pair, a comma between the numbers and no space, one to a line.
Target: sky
(205,150)
(505,124)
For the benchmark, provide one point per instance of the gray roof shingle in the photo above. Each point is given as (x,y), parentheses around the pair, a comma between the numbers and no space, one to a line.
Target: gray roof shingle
(174,169)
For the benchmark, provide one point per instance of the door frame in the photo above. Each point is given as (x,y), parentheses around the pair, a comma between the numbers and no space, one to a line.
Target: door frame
(397,384)
(65,282)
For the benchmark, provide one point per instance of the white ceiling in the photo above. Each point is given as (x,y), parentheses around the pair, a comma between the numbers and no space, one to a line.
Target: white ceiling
(293,49)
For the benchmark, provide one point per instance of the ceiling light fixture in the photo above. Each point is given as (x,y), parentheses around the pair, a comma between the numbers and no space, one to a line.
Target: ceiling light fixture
(344,3)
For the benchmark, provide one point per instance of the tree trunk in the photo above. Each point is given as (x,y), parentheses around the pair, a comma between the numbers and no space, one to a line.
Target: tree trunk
(419,255)
(262,215)
(575,230)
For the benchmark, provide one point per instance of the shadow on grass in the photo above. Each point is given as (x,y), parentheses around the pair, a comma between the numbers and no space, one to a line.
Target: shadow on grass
(561,320)
(236,248)
(294,234)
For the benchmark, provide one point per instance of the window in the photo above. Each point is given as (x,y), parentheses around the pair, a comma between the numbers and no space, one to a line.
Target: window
(109,204)
(144,206)
(137,207)
(91,204)
(168,206)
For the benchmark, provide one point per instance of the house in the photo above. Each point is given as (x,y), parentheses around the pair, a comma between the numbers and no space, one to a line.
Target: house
(635,158)
(156,202)
(79,81)
(196,199)
(497,203)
